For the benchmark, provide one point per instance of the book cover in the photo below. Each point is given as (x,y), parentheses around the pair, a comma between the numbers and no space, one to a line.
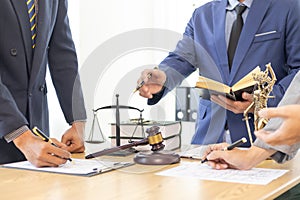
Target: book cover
(246,84)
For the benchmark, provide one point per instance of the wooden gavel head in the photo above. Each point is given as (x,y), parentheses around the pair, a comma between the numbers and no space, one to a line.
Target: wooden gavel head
(155,138)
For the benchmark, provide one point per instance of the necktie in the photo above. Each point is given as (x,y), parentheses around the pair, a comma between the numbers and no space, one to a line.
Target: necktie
(32,20)
(235,33)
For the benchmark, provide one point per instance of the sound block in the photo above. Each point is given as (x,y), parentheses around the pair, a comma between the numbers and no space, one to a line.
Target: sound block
(156,158)
(123,153)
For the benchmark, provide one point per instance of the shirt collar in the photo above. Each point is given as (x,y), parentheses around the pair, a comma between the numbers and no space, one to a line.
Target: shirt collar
(233,3)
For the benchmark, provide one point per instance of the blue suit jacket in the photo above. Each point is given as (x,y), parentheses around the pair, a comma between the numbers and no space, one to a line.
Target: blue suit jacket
(271,33)
(23,88)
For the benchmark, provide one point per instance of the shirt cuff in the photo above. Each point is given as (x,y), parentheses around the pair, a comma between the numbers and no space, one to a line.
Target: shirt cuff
(16,133)
(156,97)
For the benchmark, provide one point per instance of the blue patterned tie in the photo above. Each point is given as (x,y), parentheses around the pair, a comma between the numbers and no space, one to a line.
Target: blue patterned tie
(32,19)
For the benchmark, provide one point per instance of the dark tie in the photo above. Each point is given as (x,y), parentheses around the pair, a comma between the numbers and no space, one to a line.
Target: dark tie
(32,20)
(235,33)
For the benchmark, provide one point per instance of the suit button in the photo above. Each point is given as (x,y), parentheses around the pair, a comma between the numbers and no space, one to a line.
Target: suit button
(30,94)
(42,88)
(13,52)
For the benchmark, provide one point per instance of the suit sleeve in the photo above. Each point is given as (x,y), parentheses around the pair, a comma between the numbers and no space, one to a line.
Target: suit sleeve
(63,67)
(10,116)
(292,53)
(179,64)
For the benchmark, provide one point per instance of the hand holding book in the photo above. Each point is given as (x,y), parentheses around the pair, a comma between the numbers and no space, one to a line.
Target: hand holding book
(246,84)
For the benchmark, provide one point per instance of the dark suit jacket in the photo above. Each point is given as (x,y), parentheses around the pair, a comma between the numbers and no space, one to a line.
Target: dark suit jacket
(271,33)
(22,86)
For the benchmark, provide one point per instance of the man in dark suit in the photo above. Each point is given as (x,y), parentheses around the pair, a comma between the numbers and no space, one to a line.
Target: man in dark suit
(36,34)
(270,33)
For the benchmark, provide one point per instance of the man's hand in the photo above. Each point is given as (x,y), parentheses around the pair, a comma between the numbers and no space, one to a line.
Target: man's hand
(39,152)
(152,85)
(73,138)
(234,106)
(289,131)
(236,158)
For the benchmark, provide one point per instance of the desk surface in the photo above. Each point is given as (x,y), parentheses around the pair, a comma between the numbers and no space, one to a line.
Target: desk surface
(138,182)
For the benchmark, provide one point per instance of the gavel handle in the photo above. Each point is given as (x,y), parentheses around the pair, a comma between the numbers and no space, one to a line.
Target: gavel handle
(118,148)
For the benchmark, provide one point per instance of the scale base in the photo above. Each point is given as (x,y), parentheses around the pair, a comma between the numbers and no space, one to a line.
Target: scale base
(156,158)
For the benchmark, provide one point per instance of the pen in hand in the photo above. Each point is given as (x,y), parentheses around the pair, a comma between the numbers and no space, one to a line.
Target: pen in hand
(149,75)
(44,137)
(230,147)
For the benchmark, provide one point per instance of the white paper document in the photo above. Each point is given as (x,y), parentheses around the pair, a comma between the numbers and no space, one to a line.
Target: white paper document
(79,167)
(194,153)
(260,176)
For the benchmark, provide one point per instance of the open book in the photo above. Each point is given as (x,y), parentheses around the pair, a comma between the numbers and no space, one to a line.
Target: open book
(246,84)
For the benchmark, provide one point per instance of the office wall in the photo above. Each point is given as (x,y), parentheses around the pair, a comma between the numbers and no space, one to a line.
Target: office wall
(115,40)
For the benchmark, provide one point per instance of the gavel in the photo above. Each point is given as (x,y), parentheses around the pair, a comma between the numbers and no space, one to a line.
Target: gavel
(154,138)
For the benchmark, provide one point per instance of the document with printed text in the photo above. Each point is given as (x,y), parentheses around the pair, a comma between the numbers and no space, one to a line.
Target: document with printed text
(80,167)
(260,176)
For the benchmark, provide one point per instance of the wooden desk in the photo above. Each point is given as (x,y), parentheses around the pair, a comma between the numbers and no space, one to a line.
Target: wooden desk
(138,182)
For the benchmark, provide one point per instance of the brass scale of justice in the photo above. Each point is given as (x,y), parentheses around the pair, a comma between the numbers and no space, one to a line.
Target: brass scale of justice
(265,81)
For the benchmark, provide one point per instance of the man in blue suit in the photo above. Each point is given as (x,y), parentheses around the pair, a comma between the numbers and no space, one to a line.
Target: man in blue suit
(36,34)
(271,33)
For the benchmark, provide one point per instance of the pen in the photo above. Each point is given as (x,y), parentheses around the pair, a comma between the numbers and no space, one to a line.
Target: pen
(36,131)
(235,144)
(230,147)
(149,75)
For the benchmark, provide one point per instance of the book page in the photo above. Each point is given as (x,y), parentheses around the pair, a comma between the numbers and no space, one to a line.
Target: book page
(210,84)
(246,81)
(259,176)
(76,167)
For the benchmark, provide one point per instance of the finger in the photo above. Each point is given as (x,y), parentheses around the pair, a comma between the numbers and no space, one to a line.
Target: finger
(217,165)
(217,155)
(146,76)
(66,139)
(217,100)
(74,148)
(206,152)
(144,91)
(39,163)
(225,103)
(58,143)
(273,112)
(213,147)
(54,160)
(236,106)
(60,154)
(225,99)
(50,157)
(221,166)
(248,97)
